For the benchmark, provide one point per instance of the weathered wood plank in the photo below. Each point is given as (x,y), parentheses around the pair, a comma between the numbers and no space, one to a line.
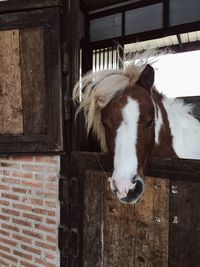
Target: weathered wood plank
(11,120)
(18,5)
(118,230)
(124,235)
(151,214)
(144,219)
(173,169)
(184,224)
(33,80)
(160,227)
(93,220)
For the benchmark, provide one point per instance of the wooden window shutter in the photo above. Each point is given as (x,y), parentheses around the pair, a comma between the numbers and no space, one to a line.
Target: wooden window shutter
(30,82)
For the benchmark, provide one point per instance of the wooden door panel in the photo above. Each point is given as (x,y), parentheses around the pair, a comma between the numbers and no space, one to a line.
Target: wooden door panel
(117,234)
(31,118)
(11,118)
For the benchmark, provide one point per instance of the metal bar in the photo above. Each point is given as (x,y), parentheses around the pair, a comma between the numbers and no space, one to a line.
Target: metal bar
(112,56)
(180,41)
(166,15)
(99,59)
(104,50)
(108,57)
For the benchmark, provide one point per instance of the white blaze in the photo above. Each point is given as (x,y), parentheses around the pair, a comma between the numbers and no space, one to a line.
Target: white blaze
(158,124)
(125,159)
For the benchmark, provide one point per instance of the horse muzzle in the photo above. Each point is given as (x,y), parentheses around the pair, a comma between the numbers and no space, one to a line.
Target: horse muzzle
(134,193)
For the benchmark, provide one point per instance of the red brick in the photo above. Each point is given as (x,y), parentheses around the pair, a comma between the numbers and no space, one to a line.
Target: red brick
(46,160)
(44,177)
(31,249)
(49,256)
(32,184)
(22,255)
(22,238)
(23,158)
(40,211)
(33,167)
(6,233)
(45,228)
(33,217)
(22,222)
(50,221)
(4,187)
(8,257)
(10,196)
(38,202)
(4,202)
(45,245)
(4,218)
(33,234)
(26,264)
(21,207)
(21,190)
(11,212)
(10,227)
(9,164)
(45,263)
(22,174)
(8,242)
(50,204)
(51,186)
(51,213)
(46,194)
(4,248)
(51,239)
(10,180)
(52,169)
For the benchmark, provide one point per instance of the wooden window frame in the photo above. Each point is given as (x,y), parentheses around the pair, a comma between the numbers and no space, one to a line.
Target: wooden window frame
(52,140)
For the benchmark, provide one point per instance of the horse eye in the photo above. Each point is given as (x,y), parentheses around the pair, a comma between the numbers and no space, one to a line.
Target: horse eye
(104,124)
(150,123)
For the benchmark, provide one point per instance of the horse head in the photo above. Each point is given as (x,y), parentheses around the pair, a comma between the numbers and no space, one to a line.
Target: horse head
(128,121)
(118,107)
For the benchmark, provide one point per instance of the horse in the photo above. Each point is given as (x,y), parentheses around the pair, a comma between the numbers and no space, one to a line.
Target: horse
(133,121)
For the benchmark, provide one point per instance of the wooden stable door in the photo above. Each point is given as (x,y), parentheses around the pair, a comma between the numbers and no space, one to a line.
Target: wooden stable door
(161,230)
(30,81)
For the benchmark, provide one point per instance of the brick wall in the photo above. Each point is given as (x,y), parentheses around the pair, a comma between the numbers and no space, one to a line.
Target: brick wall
(29,211)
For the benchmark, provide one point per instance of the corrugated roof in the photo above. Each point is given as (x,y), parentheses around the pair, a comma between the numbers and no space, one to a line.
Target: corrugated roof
(163,42)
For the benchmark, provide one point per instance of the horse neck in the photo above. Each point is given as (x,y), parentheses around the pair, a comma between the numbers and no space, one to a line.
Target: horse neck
(163,138)
(176,130)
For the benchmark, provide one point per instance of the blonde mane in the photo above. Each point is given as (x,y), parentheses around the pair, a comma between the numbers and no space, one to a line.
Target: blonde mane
(97,89)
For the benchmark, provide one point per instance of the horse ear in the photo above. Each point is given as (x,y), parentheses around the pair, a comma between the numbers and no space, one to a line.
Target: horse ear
(146,78)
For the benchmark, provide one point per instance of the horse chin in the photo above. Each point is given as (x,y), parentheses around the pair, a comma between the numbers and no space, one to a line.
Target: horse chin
(135,193)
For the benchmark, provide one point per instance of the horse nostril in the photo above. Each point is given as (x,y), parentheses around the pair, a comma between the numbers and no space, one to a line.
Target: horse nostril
(134,194)
(133,180)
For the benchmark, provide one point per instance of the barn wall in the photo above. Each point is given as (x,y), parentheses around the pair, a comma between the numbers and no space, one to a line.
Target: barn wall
(29,211)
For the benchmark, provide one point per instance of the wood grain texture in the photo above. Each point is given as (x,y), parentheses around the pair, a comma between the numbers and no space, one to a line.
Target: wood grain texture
(118,230)
(152,215)
(93,220)
(11,120)
(130,235)
(184,224)
(33,80)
